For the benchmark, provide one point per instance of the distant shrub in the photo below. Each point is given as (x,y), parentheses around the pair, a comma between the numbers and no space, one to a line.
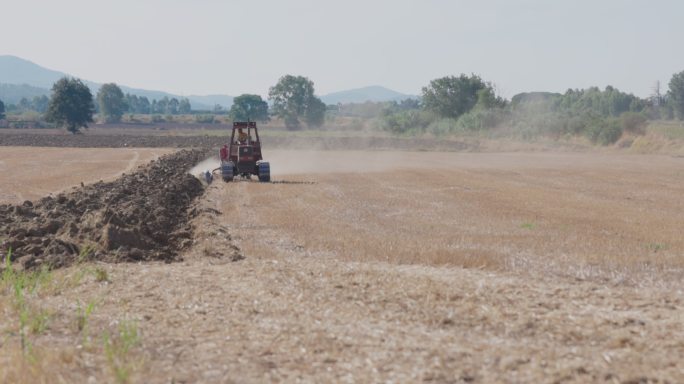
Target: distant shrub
(575,125)
(156,119)
(667,112)
(604,131)
(445,126)
(633,122)
(204,119)
(480,119)
(403,122)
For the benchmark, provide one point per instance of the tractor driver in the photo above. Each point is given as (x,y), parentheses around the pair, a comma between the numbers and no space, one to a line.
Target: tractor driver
(242,136)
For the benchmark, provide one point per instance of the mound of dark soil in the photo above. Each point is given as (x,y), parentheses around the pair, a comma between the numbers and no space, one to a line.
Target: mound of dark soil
(143,215)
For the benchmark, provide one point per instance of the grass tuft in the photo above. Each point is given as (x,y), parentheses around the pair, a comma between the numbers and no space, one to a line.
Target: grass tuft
(657,247)
(101,275)
(118,350)
(83,319)
(23,284)
(85,254)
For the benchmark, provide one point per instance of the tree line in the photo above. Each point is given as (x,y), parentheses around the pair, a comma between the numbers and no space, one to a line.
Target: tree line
(37,104)
(467,103)
(167,106)
(293,101)
(110,99)
(73,106)
(450,104)
(112,104)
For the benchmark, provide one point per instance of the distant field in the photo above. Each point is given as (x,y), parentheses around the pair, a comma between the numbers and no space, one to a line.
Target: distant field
(32,173)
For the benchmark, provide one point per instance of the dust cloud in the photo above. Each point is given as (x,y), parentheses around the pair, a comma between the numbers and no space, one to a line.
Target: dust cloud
(292,162)
(208,164)
(311,162)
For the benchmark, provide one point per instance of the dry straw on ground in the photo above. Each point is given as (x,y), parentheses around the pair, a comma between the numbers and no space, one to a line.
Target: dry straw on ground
(572,275)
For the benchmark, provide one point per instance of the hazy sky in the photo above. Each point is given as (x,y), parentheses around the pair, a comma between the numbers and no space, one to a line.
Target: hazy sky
(233,47)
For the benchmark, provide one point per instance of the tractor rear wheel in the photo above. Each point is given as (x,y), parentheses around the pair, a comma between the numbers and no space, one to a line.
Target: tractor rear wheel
(264,172)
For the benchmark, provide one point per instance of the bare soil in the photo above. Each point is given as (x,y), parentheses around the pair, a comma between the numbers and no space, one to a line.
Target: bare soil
(141,216)
(394,266)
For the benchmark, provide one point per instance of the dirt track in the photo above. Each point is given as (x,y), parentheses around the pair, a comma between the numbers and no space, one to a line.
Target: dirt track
(573,275)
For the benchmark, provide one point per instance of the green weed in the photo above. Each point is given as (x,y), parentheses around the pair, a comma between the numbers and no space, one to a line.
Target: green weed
(101,275)
(118,350)
(83,319)
(86,252)
(8,271)
(657,247)
(38,322)
(21,284)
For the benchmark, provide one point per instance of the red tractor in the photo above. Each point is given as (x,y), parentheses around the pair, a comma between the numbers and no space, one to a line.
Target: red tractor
(243,158)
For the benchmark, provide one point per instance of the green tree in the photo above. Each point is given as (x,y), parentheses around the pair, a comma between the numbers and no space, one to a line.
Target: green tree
(137,104)
(487,99)
(676,94)
(144,105)
(40,103)
(2,110)
(184,106)
(133,103)
(453,96)
(162,105)
(315,113)
(249,108)
(172,106)
(112,103)
(293,98)
(24,104)
(71,105)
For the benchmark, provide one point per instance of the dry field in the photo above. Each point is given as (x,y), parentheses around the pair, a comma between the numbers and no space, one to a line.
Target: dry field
(617,217)
(32,173)
(385,267)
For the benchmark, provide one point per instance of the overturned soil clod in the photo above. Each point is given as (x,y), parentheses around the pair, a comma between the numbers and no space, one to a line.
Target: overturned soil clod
(143,215)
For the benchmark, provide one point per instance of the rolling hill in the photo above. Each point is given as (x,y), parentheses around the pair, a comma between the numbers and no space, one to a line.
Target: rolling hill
(17,71)
(361,95)
(22,78)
